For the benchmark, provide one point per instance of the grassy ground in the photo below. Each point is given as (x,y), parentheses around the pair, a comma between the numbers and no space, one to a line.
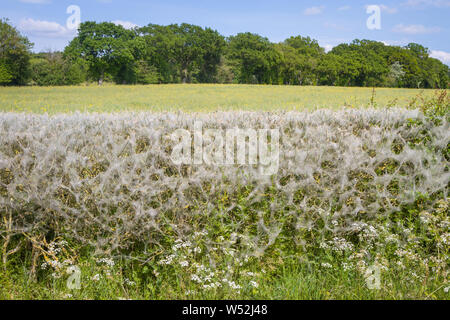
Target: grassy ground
(195,98)
(290,281)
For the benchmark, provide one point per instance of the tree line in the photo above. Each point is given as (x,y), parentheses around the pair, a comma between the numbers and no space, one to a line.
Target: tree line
(185,53)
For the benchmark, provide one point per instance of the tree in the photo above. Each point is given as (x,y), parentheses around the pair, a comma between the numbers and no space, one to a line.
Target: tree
(418,50)
(186,48)
(145,73)
(395,75)
(254,59)
(364,63)
(5,75)
(436,74)
(188,53)
(14,55)
(213,45)
(300,59)
(409,65)
(106,47)
(183,53)
(225,72)
(329,70)
(54,69)
(158,52)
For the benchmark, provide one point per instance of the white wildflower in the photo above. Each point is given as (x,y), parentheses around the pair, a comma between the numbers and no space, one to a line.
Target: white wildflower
(184,263)
(96,277)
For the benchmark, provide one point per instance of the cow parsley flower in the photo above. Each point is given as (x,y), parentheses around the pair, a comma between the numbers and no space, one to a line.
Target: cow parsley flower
(184,263)
(96,277)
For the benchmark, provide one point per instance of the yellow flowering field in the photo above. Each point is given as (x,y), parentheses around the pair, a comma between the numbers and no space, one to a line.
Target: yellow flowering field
(198,98)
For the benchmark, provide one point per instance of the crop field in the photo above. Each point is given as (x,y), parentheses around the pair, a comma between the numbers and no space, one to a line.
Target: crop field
(199,98)
(339,193)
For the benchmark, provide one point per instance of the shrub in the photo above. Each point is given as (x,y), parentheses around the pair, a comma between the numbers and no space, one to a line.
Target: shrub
(356,184)
(52,69)
(5,76)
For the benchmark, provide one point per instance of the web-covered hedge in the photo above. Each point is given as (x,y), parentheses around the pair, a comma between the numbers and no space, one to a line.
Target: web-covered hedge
(107,180)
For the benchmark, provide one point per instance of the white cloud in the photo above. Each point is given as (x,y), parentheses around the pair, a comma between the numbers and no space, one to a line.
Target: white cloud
(336,26)
(415,29)
(36,1)
(402,42)
(328,47)
(434,3)
(313,10)
(387,9)
(45,29)
(344,8)
(384,8)
(125,24)
(441,55)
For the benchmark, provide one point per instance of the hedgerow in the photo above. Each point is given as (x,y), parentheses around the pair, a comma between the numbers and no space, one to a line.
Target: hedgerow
(354,188)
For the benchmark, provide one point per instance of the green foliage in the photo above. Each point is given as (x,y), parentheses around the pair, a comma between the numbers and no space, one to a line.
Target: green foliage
(253,58)
(107,48)
(53,69)
(146,74)
(300,59)
(5,76)
(291,279)
(110,201)
(225,72)
(396,73)
(152,54)
(371,63)
(183,53)
(358,64)
(188,53)
(408,249)
(14,55)
(434,107)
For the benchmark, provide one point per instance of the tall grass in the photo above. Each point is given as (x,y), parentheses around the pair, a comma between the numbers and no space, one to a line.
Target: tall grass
(198,98)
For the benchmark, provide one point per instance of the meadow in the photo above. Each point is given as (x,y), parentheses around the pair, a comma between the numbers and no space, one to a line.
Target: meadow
(199,98)
(92,205)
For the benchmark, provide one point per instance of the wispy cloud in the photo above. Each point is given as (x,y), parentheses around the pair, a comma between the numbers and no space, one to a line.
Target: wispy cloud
(387,9)
(125,24)
(441,55)
(36,1)
(328,47)
(415,29)
(422,3)
(313,10)
(344,8)
(402,42)
(335,26)
(46,29)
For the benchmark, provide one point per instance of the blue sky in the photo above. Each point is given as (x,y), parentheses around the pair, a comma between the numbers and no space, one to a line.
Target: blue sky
(330,22)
